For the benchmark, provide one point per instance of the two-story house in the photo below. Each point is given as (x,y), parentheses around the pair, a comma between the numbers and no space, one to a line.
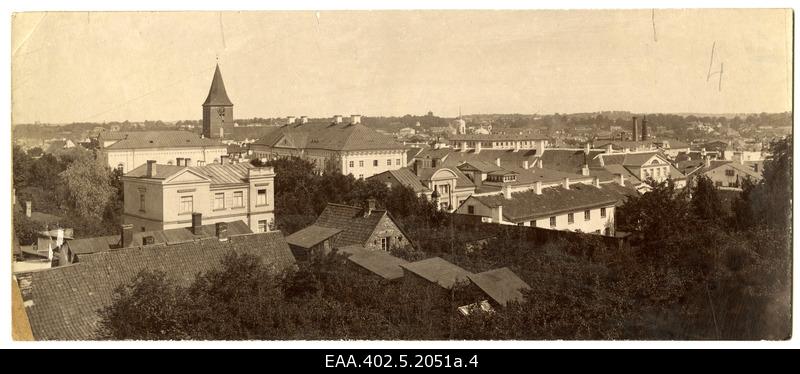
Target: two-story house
(160,197)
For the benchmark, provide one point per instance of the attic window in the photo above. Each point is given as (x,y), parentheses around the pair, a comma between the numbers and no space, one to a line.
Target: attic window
(151,141)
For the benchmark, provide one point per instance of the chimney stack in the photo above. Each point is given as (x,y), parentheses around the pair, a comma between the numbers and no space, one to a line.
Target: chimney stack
(566,183)
(151,168)
(290,120)
(187,162)
(497,161)
(645,134)
(587,148)
(507,191)
(585,170)
(337,119)
(222,231)
(148,240)
(596,182)
(537,187)
(355,119)
(635,129)
(609,148)
(478,146)
(197,223)
(525,164)
(28,208)
(371,203)
(179,161)
(621,179)
(126,235)
(707,161)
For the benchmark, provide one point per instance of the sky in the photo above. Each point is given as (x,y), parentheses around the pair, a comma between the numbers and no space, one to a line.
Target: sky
(116,66)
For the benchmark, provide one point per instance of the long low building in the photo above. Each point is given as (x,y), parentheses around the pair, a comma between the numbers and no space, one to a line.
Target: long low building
(126,151)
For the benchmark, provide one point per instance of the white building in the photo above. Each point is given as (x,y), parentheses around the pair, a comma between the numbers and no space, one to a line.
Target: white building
(129,150)
(347,146)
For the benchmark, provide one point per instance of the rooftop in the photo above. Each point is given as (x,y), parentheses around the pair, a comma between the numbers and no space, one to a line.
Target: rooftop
(329,136)
(217,95)
(217,174)
(437,270)
(553,200)
(377,262)
(356,225)
(502,285)
(62,302)
(158,139)
(497,137)
(311,236)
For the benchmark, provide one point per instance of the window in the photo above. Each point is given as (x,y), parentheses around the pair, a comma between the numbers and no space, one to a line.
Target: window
(374,162)
(361,163)
(361,176)
(388,162)
(471,209)
(597,232)
(521,224)
(587,215)
(553,221)
(352,163)
(219,201)
(603,212)
(238,199)
(533,223)
(385,244)
(571,218)
(262,226)
(271,225)
(201,163)
(718,183)
(397,162)
(730,173)
(141,202)
(187,204)
(608,231)
(261,198)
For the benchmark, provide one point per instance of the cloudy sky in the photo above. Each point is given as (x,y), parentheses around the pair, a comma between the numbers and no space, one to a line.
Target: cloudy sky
(69,67)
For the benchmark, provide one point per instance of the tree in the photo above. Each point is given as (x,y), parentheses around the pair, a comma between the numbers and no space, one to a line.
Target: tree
(88,185)
(21,167)
(706,203)
(773,196)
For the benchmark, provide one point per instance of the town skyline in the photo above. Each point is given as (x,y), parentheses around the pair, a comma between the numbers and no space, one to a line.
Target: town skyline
(474,62)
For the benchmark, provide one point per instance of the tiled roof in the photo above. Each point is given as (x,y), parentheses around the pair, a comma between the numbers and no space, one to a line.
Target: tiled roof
(437,270)
(553,200)
(502,285)
(379,263)
(92,245)
(356,227)
(162,139)
(747,168)
(219,174)
(508,158)
(217,94)
(622,144)
(184,234)
(330,136)
(567,160)
(63,301)
(311,236)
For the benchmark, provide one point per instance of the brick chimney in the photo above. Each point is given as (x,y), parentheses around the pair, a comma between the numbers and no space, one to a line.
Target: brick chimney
(28,208)
(585,170)
(187,162)
(587,148)
(370,206)
(565,183)
(179,161)
(355,119)
(645,134)
(537,187)
(126,235)
(197,223)
(507,191)
(148,240)
(707,161)
(151,168)
(477,146)
(596,182)
(635,129)
(497,161)
(525,164)
(222,231)
(620,179)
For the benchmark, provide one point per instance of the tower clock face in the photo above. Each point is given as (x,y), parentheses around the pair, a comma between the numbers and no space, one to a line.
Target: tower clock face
(221,112)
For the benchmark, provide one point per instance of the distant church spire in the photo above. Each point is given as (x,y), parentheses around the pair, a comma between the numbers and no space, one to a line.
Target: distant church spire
(217,109)
(217,94)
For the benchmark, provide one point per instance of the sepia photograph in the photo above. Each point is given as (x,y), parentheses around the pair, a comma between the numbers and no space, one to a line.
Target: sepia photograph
(401,175)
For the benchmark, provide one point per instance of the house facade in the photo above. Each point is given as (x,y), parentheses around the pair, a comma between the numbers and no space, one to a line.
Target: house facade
(347,146)
(161,197)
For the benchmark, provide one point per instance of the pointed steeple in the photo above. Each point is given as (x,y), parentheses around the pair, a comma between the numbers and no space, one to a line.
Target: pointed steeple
(216,94)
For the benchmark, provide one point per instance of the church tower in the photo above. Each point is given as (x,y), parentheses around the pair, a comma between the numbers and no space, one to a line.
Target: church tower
(217,109)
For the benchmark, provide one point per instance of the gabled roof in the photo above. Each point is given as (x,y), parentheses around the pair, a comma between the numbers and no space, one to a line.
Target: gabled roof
(311,236)
(746,168)
(62,302)
(356,226)
(404,176)
(437,270)
(567,160)
(502,285)
(553,200)
(217,95)
(329,136)
(92,245)
(379,263)
(160,139)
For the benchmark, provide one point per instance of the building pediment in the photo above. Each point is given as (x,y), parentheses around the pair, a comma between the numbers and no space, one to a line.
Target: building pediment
(187,176)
